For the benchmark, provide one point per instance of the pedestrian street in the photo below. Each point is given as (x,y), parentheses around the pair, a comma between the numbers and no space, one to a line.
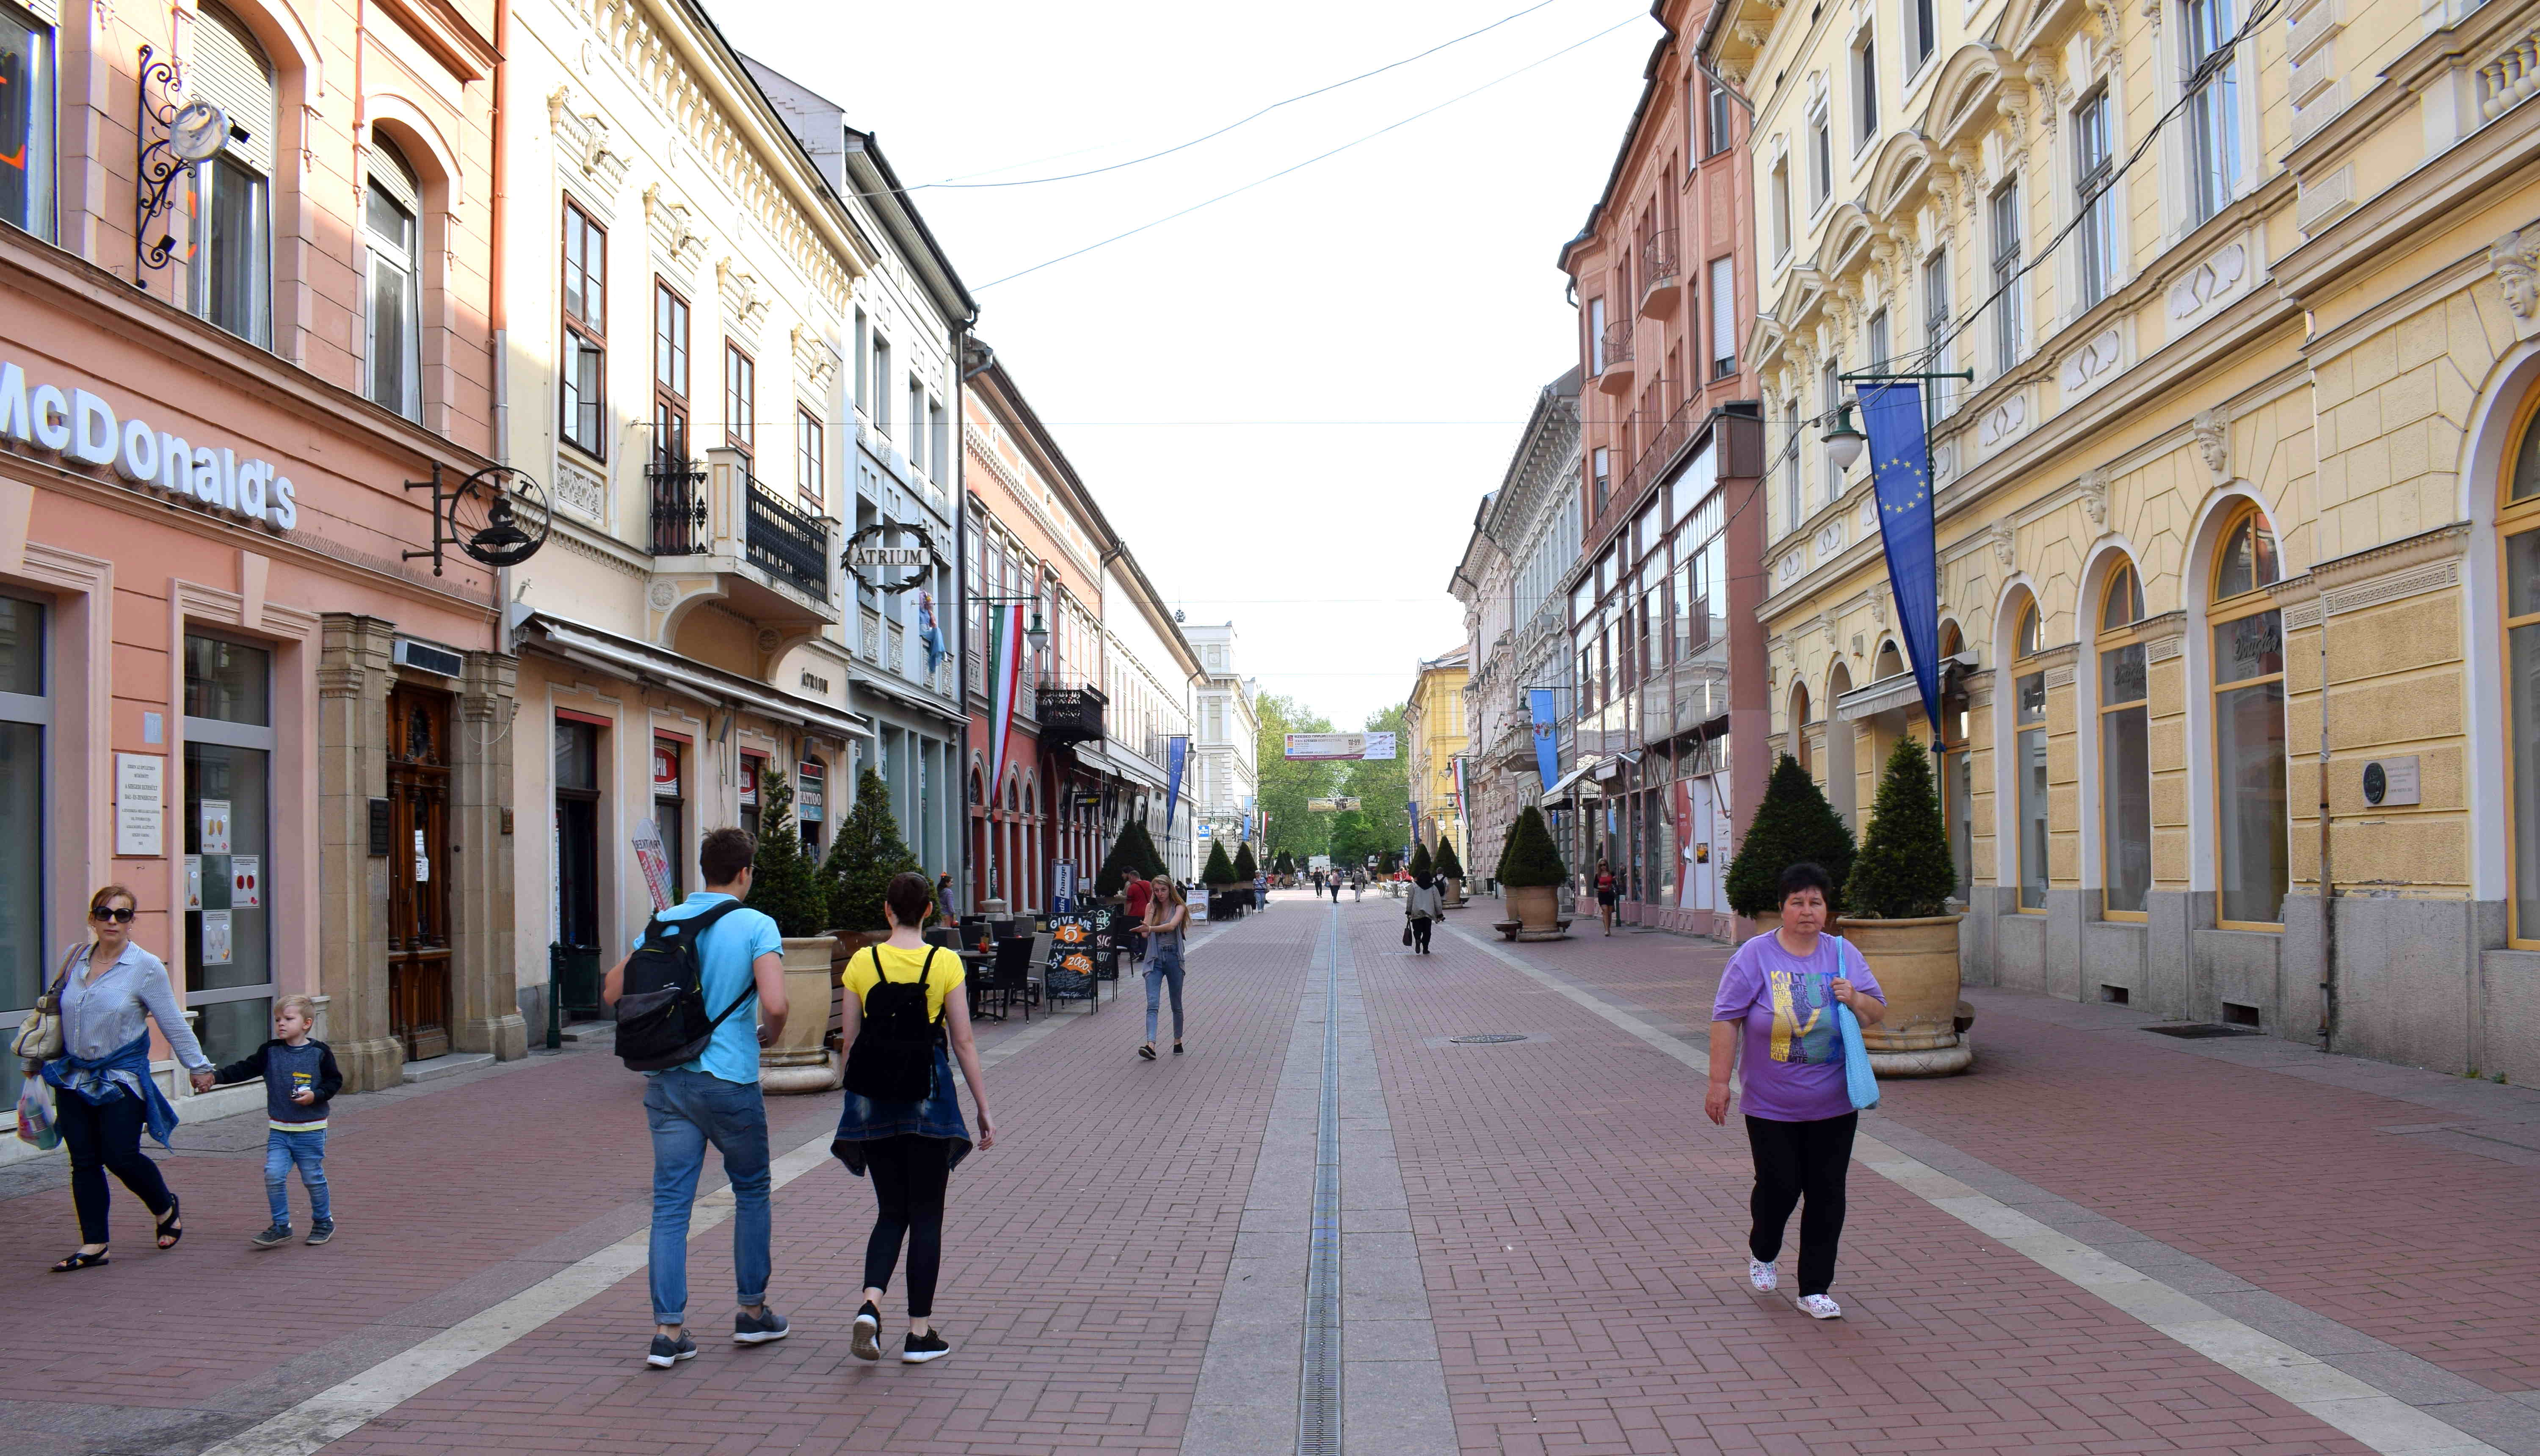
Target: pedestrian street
(1392,1204)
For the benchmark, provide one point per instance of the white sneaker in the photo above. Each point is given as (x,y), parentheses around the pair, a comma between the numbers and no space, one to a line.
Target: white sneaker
(1766,1278)
(1820,1308)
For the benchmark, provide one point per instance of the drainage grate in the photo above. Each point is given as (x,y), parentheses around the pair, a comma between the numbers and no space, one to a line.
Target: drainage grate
(1319,1399)
(2195,1030)
(1488,1038)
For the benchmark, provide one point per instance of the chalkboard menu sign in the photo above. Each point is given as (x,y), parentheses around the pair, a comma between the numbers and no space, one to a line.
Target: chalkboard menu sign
(1070,974)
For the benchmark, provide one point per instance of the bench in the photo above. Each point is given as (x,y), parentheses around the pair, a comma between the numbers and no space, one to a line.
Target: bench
(1509,929)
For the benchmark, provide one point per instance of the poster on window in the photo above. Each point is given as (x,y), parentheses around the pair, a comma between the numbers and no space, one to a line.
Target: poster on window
(809,801)
(216,938)
(246,881)
(215,816)
(666,770)
(750,781)
(194,882)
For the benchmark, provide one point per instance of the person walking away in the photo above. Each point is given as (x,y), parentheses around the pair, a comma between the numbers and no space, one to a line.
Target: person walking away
(1260,892)
(104,1093)
(1166,920)
(1358,887)
(1424,905)
(713,1097)
(1134,898)
(906,1008)
(300,1082)
(1605,896)
(1775,1012)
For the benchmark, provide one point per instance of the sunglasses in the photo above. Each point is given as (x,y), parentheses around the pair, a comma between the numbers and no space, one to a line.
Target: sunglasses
(105,913)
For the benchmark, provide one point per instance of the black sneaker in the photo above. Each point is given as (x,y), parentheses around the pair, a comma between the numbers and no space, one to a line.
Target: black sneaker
(319,1233)
(918,1349)
(868,1336)
(277,1233)
(758,1329)
(667,1352)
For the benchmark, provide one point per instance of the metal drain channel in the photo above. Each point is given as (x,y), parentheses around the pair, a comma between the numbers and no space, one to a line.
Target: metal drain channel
(1318,1385)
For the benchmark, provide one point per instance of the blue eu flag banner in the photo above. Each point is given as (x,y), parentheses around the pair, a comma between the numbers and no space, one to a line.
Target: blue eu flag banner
(1547,751)
(1900,472)
(1176,752)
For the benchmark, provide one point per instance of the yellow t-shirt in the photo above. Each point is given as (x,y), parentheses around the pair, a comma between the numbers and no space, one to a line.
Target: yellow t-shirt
(904,965)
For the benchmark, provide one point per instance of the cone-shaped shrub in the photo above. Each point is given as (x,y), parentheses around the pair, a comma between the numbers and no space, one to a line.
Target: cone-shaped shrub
(1421,864)
(1527,859)
(1903,870)
(1391,861)
(1219,871)
(1246,869)
(787,885)
(1149,863)
(1286,863)
(1792,825)
(1128,860)
(1447,865)
(863,856)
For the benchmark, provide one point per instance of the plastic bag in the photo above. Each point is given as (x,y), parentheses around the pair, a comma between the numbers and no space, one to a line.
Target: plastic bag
(36,1115)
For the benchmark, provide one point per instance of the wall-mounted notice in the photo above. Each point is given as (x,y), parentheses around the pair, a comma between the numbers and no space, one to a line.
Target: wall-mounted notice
(139,779)
(246,883)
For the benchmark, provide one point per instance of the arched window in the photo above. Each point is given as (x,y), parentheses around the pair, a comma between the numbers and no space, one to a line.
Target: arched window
(2028,755)
(1957,767)
(2248,725)
(2125,749)
(230,278)
(1843,788)
(390,207)
(1889,662)
(978,790)
(1010,793)
(1797,738)
(2517,520)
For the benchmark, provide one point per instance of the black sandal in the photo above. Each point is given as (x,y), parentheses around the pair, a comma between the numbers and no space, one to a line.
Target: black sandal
(77,1261)
(170,1238)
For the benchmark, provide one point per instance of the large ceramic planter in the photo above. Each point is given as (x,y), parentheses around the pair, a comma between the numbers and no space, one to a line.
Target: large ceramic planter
(1917,966)
(1535,907)
(801,1059)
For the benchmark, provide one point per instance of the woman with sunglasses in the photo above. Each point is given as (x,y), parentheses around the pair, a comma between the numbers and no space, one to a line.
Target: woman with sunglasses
(104,1093)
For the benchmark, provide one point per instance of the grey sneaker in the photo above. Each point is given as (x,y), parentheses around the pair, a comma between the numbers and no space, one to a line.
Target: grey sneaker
(319,1233)
(667,1352)
(276,1233)
(758,1329)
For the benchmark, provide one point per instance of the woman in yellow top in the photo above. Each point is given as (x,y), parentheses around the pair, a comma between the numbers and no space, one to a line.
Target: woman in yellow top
(909,1148)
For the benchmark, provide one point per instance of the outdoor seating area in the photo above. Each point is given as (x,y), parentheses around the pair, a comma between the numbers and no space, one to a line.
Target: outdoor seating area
(1014,968)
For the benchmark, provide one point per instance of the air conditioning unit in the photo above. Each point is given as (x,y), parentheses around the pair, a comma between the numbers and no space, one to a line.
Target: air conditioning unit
(423,656)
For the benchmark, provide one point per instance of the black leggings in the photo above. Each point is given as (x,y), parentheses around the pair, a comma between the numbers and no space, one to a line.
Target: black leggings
(1420,927)
(101,1137)
(908,1173)
(1793,1159)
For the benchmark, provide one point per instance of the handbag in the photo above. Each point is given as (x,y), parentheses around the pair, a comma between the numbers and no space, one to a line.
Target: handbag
(39,1036)
(1859,1083)
(1406,929)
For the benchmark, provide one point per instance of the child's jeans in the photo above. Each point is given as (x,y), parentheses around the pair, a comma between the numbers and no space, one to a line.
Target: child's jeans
(309,1150)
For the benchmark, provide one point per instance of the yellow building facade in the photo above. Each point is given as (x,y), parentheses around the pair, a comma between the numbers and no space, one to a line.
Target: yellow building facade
(1434,735)
(2235,513)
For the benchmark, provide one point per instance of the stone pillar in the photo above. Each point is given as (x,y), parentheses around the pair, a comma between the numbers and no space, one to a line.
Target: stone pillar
(485,1011)
(353,671)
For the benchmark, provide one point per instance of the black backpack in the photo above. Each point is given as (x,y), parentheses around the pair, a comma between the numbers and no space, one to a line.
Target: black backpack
(894,1057)
(661,1016)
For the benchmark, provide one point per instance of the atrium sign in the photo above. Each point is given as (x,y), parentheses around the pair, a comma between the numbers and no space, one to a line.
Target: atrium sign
(82,429)
(868,558)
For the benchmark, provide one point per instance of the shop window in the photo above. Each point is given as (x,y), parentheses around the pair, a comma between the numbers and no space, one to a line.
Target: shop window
(583,406)
(752,768)
(389,210)
(25,725)
(26,123)
(2519,522)
(670,813)
(228,828)
(229,279)
(576,830)
(2125,749)
(2249,725)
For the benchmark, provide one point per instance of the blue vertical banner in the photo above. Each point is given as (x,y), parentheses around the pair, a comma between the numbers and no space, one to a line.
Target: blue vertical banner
(1900,472)
(1547,750)
(1176,752)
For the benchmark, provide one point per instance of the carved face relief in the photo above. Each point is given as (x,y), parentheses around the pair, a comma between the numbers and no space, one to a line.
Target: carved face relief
(2515,258)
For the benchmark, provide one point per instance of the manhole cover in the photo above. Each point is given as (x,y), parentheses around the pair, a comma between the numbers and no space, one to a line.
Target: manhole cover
(1488,1038)
(2204,1029)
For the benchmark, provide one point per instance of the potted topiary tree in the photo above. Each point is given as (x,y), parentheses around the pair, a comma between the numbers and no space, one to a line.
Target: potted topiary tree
(1285,866)
(789,889)
(1420,862)
(1451,870)
(866,854)
(1532,872)
(1792,825)
(1218,874)
(1896,913)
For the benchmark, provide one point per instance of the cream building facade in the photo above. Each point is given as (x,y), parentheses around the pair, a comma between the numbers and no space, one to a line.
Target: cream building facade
(2248,298)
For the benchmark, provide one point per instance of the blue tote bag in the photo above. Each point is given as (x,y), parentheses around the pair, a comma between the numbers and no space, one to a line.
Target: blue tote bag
(1859,1083)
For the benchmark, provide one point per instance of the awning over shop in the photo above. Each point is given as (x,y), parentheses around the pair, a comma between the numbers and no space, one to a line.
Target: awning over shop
(610,652)
(1582,779)
(1896,690)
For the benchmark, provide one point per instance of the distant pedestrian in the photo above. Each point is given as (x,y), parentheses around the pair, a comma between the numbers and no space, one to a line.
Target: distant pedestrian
(1605,896)
(1423,906)
(1134,899)
(1166,920)
(1336,888)
(1358,887)
(713,1097)
(1260,892)
(907,1019)
(1775,1012)
(300,1082)
(104,1092)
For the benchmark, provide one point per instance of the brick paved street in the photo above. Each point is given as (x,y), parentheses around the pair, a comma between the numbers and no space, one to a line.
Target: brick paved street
(1577,1226)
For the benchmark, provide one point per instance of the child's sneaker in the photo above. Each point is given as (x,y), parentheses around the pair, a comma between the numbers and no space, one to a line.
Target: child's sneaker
(276,1233)
(1820,1308)
(1766,1278)
(319,1233)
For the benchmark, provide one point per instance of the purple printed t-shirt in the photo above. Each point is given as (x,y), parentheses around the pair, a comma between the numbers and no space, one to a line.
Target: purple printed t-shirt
(1793,1064)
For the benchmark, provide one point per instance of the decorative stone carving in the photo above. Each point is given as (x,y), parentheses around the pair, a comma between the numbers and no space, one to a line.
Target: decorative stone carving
(2210,282)
(2087,367)
(2006,543)
(2003,421)
(2515,258)
(663,595)
(581,492)
(1829,540)
(2047,91)
(2151,11)
(1968,164)
(742,302)
(674,228)
(2213,442)
(583,143)
(1879,608)
(2095,498)
(814,361)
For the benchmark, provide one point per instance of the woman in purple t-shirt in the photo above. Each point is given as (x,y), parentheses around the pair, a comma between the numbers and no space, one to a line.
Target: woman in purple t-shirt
(1777,998)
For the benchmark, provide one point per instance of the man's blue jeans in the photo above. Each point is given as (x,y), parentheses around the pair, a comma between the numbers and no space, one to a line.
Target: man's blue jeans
(686,1111)
(306,1149)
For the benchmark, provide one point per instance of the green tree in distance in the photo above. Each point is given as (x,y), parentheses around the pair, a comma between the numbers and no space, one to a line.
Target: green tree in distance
(1284,784)
(1382,786)
(786,886)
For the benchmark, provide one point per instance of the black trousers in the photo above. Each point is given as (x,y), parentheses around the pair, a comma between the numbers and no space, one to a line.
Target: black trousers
(1796,1160)
(101,1137)
(1421,924)
(908,1173)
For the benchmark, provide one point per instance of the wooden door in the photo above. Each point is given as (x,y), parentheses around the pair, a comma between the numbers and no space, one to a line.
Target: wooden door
(419,871)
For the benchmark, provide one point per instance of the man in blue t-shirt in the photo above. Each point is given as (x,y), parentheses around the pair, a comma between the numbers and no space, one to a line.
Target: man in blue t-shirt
(715,1099)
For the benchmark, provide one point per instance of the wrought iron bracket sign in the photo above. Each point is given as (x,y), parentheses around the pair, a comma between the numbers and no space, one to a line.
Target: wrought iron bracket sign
(866,553)
(167,140)
(497,515)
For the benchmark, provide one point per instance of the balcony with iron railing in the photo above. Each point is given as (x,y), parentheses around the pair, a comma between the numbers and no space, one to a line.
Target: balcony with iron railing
(1614,351)
(1070,714)
(1660,296)
(768,558)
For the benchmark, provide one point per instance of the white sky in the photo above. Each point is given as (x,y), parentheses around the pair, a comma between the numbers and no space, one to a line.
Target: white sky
(1411,278)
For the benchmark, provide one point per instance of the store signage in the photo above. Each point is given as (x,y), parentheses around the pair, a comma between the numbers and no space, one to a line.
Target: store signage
(2389,782)
(872,562)
(666,770)
(139,779)
(82,429)
(810,801)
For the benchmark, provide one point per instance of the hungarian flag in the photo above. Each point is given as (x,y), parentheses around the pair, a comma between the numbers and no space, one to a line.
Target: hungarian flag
(1005,681)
